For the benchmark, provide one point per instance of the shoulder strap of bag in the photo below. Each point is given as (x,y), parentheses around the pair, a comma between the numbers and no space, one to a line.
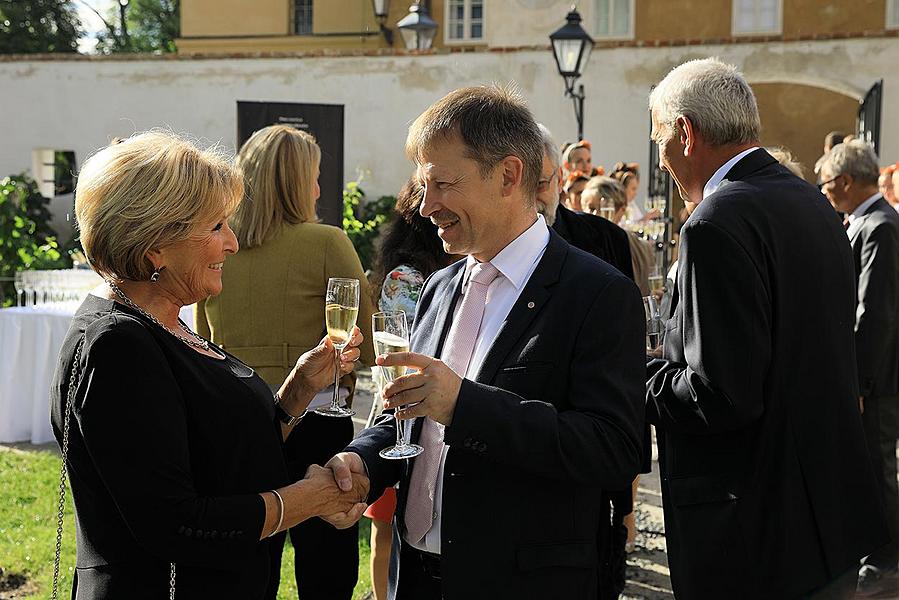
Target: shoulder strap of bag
(74,379)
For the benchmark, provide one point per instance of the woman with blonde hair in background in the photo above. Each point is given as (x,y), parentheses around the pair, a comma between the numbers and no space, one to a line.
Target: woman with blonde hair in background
(273,310)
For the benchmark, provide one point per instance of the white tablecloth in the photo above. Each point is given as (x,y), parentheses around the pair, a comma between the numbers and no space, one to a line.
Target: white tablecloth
(30,339)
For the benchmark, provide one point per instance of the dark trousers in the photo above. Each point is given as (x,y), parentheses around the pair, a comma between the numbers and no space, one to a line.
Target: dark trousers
(419,575)
(841,588)
(880,421)
(327,559)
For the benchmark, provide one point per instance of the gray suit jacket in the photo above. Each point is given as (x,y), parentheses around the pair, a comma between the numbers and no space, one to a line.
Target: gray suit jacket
(875,251)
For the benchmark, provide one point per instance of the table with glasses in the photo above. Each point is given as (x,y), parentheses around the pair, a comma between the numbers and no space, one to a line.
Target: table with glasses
(31,336)
(30,339)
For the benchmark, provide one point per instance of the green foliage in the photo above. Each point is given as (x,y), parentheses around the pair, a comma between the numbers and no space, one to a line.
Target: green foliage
(141,26)
(26,239)
(35,26)
(362,220)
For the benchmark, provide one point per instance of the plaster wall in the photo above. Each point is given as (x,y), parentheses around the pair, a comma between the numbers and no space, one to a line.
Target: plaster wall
(81,104)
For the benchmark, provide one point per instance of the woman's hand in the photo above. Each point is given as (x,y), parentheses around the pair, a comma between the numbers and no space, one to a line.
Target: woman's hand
(314,371)
(330,500)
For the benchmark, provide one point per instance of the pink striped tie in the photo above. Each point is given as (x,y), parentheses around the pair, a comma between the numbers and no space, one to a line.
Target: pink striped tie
(456,354)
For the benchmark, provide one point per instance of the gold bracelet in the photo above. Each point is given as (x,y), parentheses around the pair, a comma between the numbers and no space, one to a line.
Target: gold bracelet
(280,512)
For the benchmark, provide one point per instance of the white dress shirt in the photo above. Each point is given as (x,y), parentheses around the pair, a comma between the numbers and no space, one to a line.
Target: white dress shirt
(516,263)
(862,208)
(712,184)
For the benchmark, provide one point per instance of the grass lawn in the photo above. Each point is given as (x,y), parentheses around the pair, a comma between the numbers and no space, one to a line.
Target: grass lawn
(28,495)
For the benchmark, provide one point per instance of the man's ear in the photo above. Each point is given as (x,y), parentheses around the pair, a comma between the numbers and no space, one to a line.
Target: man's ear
(686,133)
(848,180)
(512,171)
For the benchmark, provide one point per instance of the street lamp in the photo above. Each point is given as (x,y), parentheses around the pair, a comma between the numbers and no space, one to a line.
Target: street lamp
(381,8)
(417,28)
(571,49)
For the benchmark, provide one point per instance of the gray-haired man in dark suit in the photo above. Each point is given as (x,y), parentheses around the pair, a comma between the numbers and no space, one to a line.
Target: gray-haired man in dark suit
(849,174)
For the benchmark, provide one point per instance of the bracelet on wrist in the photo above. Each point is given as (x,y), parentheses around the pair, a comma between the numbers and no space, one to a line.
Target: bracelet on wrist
(280,512)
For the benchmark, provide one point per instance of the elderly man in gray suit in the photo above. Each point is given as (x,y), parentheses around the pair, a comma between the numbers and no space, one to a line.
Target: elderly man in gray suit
(849,174)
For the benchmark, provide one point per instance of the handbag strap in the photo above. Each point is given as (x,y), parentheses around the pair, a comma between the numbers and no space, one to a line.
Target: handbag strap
(74,378)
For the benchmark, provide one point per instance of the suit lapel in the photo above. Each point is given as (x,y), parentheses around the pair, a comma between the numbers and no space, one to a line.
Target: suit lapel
(857,224)
(531,300)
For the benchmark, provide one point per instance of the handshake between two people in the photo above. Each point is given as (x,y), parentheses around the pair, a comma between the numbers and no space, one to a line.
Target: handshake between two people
(431,390)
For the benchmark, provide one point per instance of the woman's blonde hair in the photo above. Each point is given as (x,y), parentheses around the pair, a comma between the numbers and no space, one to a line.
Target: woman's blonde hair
(149,191)
(280,166)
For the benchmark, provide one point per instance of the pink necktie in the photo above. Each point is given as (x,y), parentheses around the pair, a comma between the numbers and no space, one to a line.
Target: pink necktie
(457,353)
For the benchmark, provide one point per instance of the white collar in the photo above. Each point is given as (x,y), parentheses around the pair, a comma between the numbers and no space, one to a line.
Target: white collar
(712,185)
(516,259)
(862,208)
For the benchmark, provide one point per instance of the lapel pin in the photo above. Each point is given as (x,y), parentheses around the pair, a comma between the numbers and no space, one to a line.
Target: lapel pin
(530,305)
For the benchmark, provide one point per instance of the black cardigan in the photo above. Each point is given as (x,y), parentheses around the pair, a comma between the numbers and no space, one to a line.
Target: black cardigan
(168,451)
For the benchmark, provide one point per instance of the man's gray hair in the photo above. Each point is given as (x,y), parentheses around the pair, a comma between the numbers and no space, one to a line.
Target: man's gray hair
(550,149)
(714,96)
(855,158)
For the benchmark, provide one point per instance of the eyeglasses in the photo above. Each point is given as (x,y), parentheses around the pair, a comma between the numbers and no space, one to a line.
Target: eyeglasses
(544,183)
(823,183)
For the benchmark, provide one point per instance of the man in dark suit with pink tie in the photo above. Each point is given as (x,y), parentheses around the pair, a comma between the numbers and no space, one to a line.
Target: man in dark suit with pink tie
(527,394)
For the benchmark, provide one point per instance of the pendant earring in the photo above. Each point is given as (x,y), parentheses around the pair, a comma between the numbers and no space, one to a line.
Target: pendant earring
(155,276)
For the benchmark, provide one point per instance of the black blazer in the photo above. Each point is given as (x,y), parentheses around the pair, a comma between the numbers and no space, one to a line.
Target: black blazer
(597,236)
(875,251)
(168,451)
(553,417)
(768,491)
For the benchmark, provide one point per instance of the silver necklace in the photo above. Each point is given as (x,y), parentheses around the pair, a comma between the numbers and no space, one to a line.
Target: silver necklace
(197,342)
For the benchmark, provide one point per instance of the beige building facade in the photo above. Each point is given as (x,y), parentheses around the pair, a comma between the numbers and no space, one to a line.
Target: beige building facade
(798,109)
(807,83)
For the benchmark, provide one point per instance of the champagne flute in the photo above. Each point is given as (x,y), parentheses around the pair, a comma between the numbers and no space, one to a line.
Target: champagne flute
(655,326)
(390,333)
(341,310)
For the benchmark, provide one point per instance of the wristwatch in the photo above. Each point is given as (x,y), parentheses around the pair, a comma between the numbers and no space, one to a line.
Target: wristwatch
(284,416)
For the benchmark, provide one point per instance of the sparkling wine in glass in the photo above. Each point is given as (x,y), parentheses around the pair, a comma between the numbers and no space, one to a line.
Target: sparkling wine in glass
(655,326)
(341,310)
(390,333)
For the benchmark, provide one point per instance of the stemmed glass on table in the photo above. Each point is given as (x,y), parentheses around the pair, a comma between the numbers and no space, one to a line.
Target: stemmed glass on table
(341,310)
(390,333)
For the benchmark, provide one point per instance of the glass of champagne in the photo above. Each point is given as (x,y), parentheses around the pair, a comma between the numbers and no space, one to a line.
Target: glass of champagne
(655,326)
(341,310)
(390,333)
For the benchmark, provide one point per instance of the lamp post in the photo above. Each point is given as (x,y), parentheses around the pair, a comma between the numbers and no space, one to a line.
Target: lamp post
(417,28)
(381,8)
(571,48)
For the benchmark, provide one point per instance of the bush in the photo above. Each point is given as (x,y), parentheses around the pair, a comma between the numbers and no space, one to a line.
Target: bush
(362,220)
(26,239)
